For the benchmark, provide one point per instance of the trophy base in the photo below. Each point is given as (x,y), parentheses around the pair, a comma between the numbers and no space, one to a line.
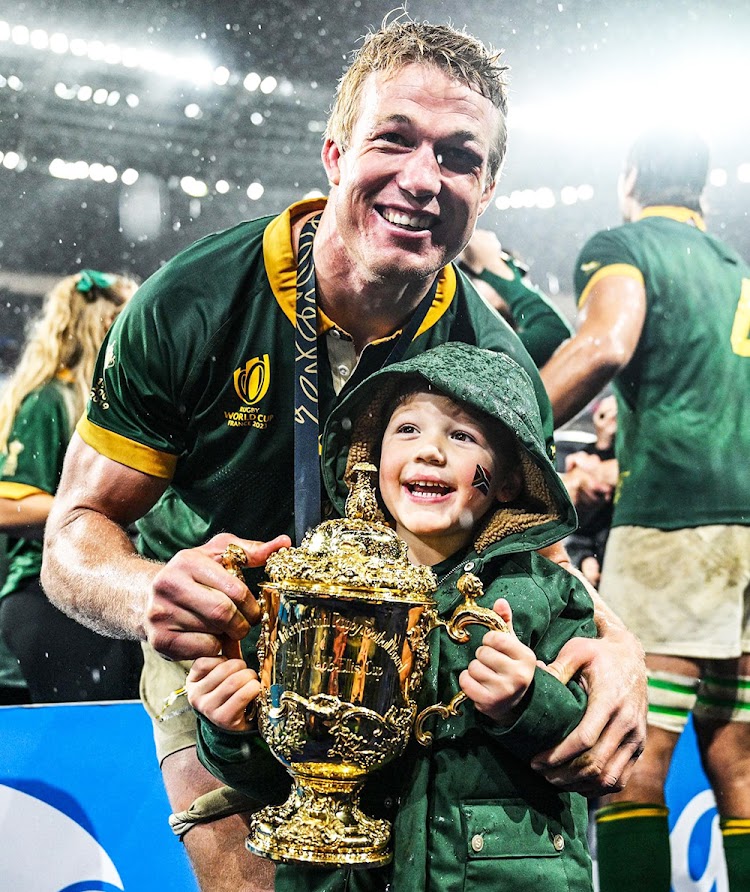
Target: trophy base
(321,823)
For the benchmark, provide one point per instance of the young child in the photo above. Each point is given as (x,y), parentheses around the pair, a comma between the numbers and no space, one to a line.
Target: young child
(465,480)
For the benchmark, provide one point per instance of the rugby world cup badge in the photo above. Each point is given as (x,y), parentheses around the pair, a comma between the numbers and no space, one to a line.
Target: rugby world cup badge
(251,383)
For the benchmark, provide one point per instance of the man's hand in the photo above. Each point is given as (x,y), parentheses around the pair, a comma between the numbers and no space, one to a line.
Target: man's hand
(589,480)
(198,608)
(599,755)
(591,569)
(484,253)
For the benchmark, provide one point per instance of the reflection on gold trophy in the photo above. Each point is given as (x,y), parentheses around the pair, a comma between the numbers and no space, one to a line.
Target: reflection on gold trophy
(342,653)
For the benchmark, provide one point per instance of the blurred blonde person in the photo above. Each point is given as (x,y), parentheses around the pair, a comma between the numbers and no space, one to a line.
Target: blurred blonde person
(47,653)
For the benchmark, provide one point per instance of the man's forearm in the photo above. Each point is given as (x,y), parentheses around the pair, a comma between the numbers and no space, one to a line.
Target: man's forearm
(605,619)
(574,375)
(92,572)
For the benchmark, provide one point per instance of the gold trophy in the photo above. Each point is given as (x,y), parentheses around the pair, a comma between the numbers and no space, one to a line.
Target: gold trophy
(342,652)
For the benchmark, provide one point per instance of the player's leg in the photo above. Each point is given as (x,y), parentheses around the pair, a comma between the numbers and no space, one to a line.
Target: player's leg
(632,830)
(722,712)
(216,848)
(722,724)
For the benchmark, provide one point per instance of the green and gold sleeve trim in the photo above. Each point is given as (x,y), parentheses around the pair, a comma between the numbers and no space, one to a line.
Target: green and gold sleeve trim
(18,491)
(281,267)
(614,269)
(127,452)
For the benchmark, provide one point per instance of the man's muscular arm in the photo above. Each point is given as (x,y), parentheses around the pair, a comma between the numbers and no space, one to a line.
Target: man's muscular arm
(610,324)
(598,756)
(92,571)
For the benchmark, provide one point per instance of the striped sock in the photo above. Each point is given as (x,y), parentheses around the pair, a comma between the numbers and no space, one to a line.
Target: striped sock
(632,841)
(735,833)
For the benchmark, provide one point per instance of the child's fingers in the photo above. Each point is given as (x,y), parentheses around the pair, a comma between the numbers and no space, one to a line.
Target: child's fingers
(493,660)
(230,712)
(234,696)
(502,609)
(486,667)
(217,668)
(203,666)
(225,693)
(473,689)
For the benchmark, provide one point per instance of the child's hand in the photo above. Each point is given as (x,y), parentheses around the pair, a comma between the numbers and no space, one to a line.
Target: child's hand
(502,672)
(221,690)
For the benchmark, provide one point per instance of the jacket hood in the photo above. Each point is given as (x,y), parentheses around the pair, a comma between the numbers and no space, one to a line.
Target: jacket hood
(485,381)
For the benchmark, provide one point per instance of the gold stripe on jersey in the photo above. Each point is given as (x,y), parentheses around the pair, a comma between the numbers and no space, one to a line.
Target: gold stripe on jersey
(127,452)
(16,491)
(672,212)
(281,267)
(614,269)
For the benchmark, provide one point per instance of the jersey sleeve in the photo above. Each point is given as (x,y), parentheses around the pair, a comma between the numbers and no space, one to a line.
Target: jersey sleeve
(541,326)
(605,254)
(36,446)
(134,414)
(486,328)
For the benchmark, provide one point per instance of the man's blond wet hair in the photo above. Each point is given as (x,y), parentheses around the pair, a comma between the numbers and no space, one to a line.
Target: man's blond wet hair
(403,42)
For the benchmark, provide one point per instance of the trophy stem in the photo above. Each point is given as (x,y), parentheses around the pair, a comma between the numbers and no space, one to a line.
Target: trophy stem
(320,823)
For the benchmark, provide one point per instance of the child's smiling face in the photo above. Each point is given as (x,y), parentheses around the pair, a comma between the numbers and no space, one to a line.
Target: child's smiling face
(439,475)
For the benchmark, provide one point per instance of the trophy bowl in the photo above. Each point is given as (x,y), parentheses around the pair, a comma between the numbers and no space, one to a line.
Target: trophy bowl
(342,650)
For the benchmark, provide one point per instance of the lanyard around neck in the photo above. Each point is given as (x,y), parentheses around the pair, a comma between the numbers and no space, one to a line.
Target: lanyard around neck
(306,413)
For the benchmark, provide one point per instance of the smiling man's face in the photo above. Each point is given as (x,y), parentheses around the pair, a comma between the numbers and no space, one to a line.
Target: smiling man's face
(408,189)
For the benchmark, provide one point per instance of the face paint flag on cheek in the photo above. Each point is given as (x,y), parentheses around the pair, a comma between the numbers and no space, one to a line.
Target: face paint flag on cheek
(481,481)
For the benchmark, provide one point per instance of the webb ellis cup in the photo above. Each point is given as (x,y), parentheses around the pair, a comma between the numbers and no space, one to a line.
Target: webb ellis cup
(342,652)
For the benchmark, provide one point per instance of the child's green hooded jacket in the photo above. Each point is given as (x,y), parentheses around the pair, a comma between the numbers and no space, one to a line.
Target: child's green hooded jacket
(469,813)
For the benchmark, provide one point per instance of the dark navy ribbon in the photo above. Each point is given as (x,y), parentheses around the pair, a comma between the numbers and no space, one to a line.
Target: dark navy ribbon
(306,421)
(307,484)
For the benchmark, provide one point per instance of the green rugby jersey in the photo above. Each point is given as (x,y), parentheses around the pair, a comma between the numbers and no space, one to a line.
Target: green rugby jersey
(33,463)
(195,381)
(683,438)
(540,325)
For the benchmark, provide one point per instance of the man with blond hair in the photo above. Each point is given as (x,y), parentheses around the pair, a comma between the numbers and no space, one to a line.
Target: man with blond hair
(202,422)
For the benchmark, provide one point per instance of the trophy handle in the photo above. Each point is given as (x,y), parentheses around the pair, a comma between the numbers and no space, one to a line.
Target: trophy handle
(233,559)
(467,613)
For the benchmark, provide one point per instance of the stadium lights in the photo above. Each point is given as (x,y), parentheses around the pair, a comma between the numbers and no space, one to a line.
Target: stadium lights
(255,191)
(85,93)
(544,198)
(12,161)
(196,68)
(81,170)
(625,103)
(12,82)
(193,187)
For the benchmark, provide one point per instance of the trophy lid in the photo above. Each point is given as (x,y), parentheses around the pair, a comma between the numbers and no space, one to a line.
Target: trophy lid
(358,552)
